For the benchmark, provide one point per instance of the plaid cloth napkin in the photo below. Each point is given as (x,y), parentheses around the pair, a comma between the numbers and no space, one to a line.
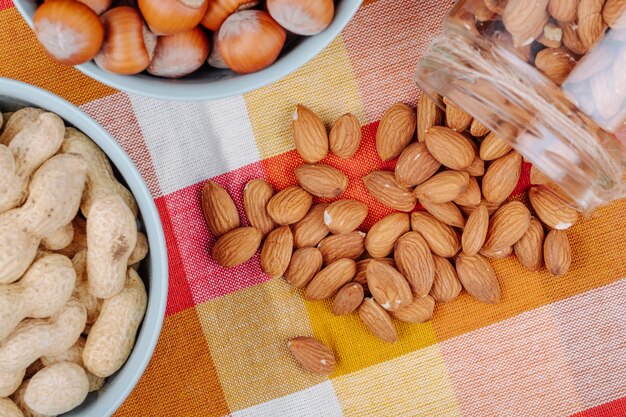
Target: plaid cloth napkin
(553,347)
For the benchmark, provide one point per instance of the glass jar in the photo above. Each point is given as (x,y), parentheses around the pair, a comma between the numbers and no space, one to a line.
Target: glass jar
(548,77)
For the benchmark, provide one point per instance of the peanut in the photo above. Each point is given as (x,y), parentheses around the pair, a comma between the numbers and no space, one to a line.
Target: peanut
(53,201)
(100,179)
(81,290)
(75,355)
(31,147)
(60,238)
(9,382)
(18,398)
(18,121)
(43,291)
(111,237)
(57,389)
(9,409)
(34,338)
(140,251)
(79,241)
(112,337)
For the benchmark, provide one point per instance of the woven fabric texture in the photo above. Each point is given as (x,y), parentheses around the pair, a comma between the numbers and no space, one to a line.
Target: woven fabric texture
(553,347)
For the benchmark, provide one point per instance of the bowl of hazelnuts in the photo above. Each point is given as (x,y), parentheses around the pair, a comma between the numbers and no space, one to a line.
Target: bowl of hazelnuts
(186,49)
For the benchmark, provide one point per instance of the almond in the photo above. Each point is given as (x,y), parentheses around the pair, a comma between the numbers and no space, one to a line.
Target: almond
(348,299)
(557,252)
(276,252)
(345,136)
(415,165)
(563,10)
(475,231)
(538,177)
(220,212)
(492,147)
(309,135)
(312,355)
(502,177)
(491,207)
(451,148)
(571,40)
(345,245)
(236,246)
(552,209)
(478,129)
(477,167)
(395,131)
(441,238)
(388,286)
(322,180)
(330,279)
(591,25)
(311,229)
(419,311)
(361,269)
(384,233)
(443,187)
(382,185)
(304,265)
(529,249)
(614,13)
(478,278)
(552,36)
(525,20)
(415,262)
(344,216)
(496,6)
(496,254)
(289,205)
(377,320)
(507,225)
(555,63)
(471,196)
(446,285)
(256,195)
(456,119)
(447,213)
(428,115)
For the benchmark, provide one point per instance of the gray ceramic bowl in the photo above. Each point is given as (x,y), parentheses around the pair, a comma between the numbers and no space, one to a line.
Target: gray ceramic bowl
(15,95)
(210,83)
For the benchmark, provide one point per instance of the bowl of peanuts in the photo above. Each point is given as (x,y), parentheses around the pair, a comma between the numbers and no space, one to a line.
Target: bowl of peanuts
(83,262)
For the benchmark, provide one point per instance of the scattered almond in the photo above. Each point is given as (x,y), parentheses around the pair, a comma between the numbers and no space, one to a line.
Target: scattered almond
(256,195)
(276,251)
(289,205)
(309,135)
(446,284)
(450,148)
(571,40)
(330,279)
(496,254)
(443,187)
(220,212)
(428,115)
(478,278)
(591,25)
(502,177)
(377,320)
(345,136)
(419,311)
(557,252)
(388,286)
(344,216)
(525,20)
(395,131)
(415,262)
(311,229)
(507,225)
(555,63)
(477,167)
(614,13)
(441,238)
(312,355)
(382,185)
(322,180)
(552,209)
(529,249)
(236,246)
(493,147)
(384,233)
(471,196)
(348,299)
(475,231)
(415,165)
(361,270)
(304,265)
(447,213)
(345,245)
(456,119)
(563,10)
(478,129)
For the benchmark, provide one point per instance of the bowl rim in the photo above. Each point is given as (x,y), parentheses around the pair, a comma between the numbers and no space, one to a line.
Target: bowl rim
(175,90)
(150,329)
